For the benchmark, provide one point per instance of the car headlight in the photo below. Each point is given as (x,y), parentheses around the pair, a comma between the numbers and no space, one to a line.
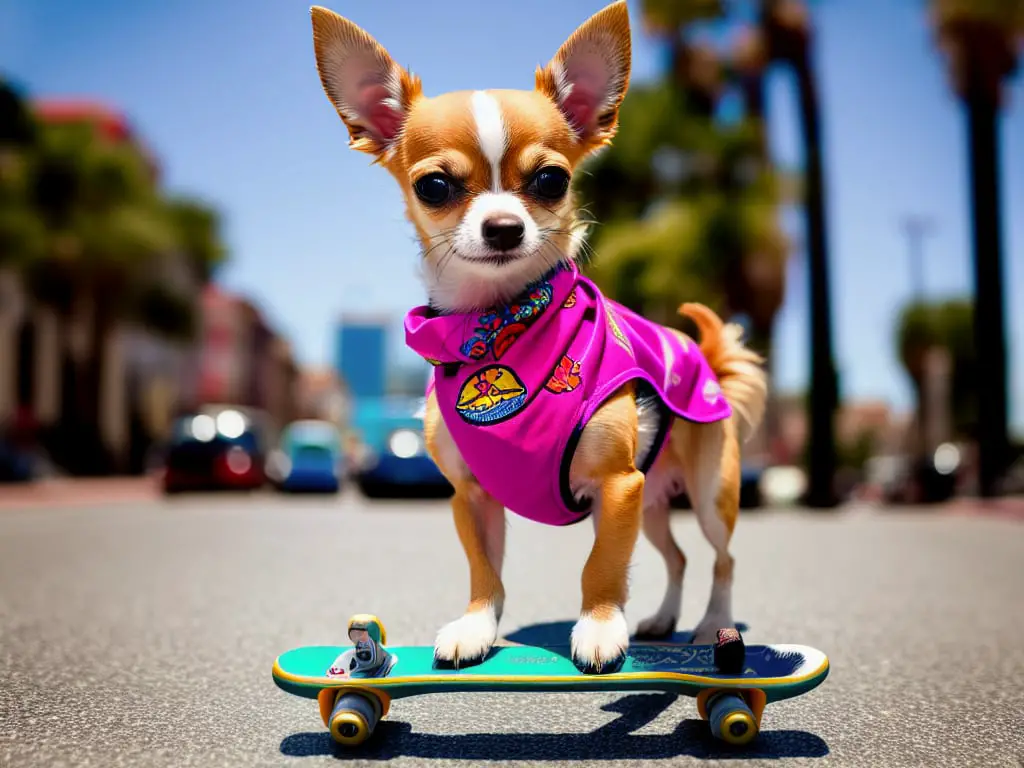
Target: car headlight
(405,443)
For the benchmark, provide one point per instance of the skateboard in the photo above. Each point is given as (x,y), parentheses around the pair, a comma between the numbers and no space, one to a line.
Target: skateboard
(732,683)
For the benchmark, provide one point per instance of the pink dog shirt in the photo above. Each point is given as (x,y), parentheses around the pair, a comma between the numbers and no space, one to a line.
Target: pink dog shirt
(517,384)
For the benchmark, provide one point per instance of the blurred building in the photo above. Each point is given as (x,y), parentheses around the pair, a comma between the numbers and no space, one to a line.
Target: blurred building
(41,350)
(870,420)
(361,354)
(321,395)
(237,358)
(240,360)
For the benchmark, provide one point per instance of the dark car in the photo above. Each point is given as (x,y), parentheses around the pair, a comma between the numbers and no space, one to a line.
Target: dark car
(16,464)
(214,451)
(390,458)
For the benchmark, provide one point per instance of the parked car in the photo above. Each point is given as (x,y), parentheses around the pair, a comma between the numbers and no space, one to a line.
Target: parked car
(388,456)
(16,464)
(214,450)
(308,459)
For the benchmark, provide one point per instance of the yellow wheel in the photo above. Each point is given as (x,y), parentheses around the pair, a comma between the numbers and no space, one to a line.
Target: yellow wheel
(731,718)
(353,718)
(738,728)
(349,729)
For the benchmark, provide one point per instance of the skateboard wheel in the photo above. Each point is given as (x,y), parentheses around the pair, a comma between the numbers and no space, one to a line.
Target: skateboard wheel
(353,718)
(731,719)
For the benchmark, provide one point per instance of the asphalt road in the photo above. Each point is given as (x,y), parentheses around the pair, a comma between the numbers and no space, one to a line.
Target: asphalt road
(144,633)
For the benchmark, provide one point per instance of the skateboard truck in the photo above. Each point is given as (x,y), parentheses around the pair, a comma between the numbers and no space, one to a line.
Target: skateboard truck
(352,715)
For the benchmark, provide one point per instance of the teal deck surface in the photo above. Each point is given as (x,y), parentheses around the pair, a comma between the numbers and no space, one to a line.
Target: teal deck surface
(781,671)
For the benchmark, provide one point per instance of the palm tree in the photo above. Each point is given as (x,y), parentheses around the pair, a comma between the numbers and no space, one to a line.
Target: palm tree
(111,239)
(688,204)
(947,325)
(21,231)
(785,36)
(105,225)
(981,39)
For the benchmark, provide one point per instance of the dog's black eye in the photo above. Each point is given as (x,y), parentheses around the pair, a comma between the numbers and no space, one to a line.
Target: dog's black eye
(549,183)
(434,189)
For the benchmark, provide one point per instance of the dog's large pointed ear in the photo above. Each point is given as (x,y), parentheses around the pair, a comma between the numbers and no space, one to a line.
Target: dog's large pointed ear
(370,91)
(589,75)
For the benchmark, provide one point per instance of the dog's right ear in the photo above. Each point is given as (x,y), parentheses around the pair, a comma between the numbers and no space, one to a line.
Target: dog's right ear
(370,91)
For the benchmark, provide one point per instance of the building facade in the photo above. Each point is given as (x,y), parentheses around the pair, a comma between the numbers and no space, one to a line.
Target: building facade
(361,358)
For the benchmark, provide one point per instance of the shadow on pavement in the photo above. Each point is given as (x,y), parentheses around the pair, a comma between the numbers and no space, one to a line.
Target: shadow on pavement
(558,632)
(614,741)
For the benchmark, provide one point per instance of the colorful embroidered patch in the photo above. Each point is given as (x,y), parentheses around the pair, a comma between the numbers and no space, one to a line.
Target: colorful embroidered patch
(498,328)
(570,300)
(566,376)
(617,332)
(490,395)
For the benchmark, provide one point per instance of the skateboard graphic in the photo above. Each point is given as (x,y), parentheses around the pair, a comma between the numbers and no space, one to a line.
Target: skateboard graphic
(732,683)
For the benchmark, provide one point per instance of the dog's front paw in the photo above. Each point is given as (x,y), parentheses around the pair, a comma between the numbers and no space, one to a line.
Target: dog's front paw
(467,640)
(599,645)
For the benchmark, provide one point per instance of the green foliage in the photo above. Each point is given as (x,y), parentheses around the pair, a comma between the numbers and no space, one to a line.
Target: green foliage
(688,210)
(166,312)
(668,16)
(198,235)
(17,128)
(948,324)
(81,214)
(1005,14)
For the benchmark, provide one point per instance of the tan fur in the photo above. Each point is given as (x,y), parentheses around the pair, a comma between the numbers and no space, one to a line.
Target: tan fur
(440,135)
(604,460)
(739,369)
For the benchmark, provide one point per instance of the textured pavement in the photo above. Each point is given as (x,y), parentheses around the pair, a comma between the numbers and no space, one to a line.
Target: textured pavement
(143,633)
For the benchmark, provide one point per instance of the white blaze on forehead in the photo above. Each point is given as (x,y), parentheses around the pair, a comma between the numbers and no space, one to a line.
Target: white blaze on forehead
(491,133)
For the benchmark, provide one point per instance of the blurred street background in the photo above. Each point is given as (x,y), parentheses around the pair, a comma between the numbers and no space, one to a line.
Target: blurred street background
(202,288)
(183,232)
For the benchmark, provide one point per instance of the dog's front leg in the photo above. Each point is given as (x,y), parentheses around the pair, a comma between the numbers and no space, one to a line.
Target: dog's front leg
(480,523)
(604,464)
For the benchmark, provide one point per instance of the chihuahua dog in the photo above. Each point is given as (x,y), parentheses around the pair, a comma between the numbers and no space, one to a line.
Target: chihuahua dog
(547,399)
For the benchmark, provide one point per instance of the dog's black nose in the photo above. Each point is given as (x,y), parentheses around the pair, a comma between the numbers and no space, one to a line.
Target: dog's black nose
(503,233)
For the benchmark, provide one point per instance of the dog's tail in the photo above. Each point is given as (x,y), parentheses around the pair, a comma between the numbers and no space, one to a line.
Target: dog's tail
(740,370)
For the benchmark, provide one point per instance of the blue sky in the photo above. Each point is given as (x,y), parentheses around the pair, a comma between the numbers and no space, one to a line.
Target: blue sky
(227,96)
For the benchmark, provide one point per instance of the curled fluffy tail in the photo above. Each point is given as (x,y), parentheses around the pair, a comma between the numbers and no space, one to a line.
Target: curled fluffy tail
(739,369)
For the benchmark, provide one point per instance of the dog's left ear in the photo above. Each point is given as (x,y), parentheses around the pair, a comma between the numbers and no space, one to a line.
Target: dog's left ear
(589,75)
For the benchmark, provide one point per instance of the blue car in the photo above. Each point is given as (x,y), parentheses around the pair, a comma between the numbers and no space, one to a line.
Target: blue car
(310,458)
(390,458)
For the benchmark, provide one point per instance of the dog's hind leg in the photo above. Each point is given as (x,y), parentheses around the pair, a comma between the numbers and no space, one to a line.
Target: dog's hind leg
(656,528)
(711,467)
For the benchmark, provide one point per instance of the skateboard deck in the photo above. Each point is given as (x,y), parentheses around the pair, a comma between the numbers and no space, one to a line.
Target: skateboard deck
(355,691)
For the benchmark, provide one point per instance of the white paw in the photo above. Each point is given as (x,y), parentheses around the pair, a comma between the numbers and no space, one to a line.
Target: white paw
(600,646)
(707,631)
(468,639)
(660,625)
